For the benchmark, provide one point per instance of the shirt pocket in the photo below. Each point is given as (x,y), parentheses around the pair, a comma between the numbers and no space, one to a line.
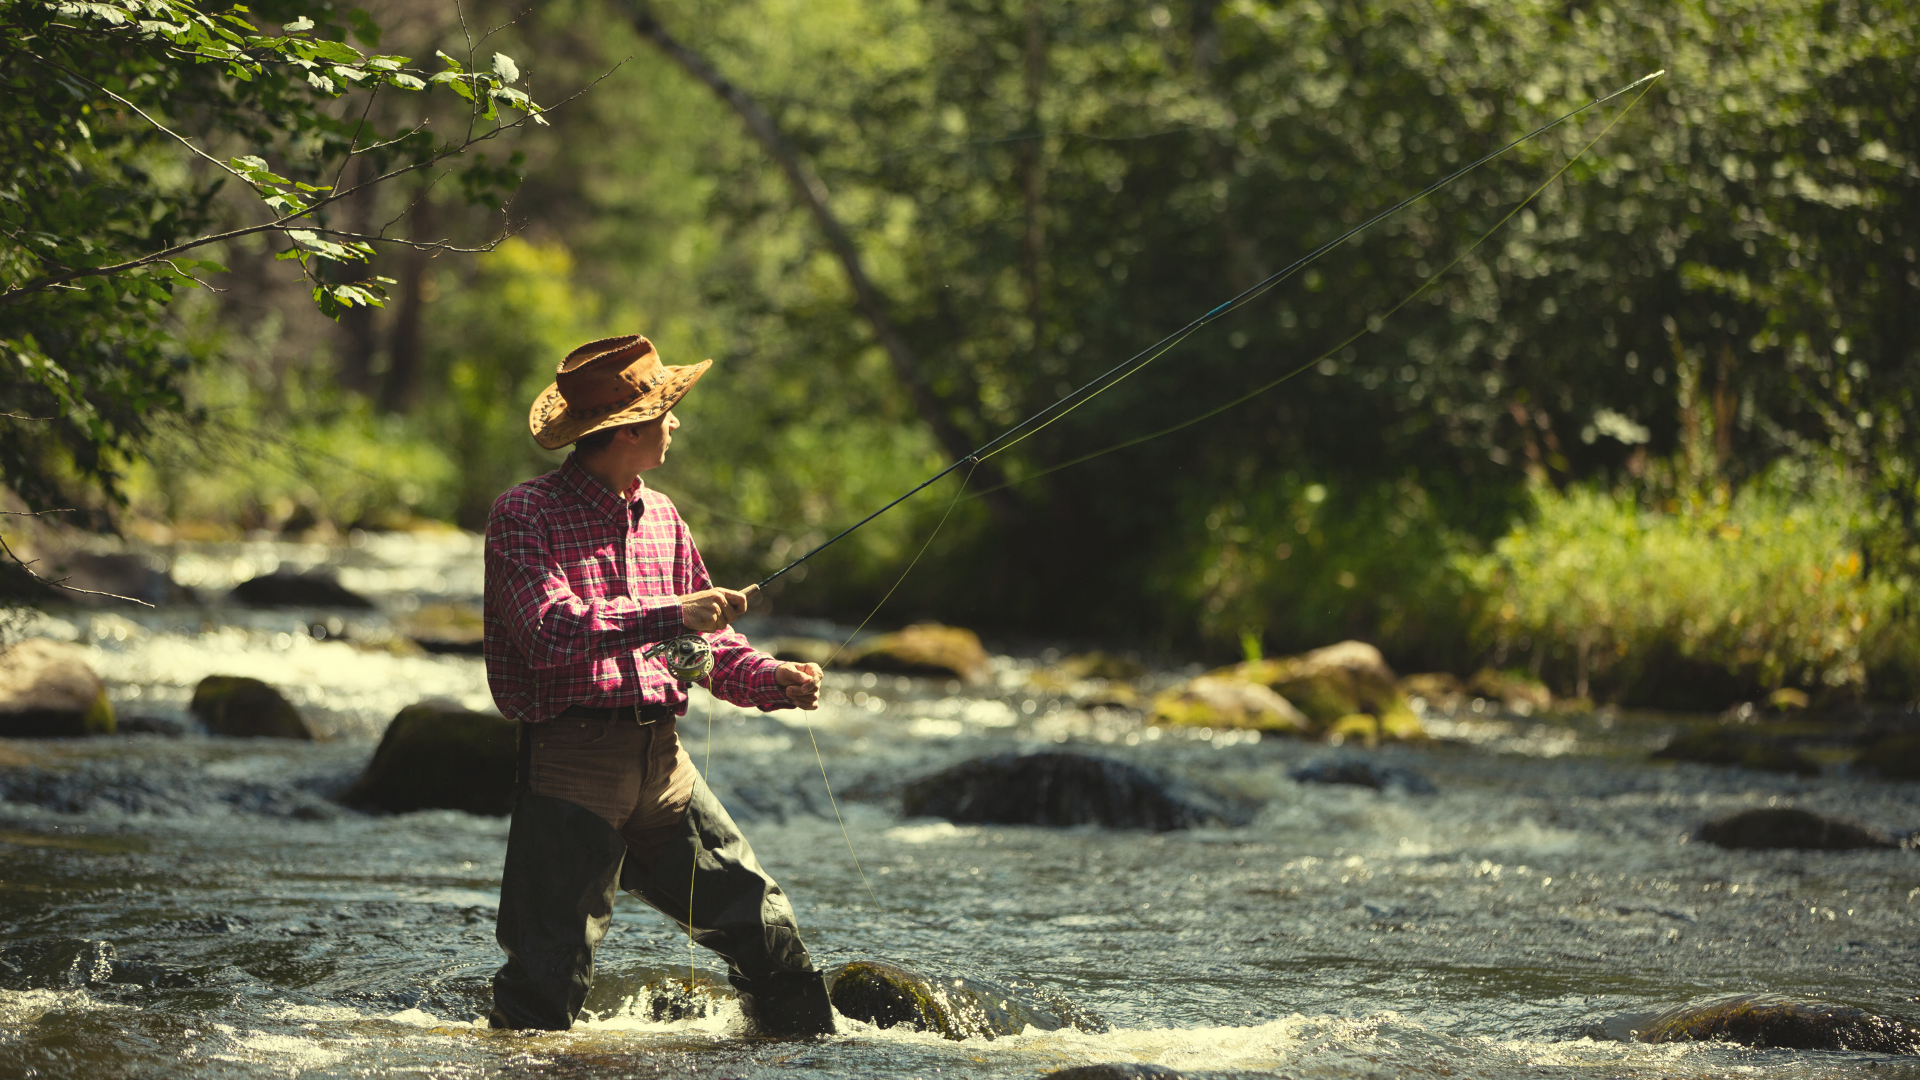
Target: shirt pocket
(596,572)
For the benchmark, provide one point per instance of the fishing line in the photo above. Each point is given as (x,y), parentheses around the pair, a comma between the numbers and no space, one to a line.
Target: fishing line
(817,757)
(1373,322)
(1100,383)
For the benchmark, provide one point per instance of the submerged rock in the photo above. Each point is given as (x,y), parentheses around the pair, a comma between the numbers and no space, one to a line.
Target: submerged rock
(1059,789)
(71,963)
(315,588)
(1782,828)
(1116,1070)
(434,758)
(925,649)
(246,708)
(47,690)
(954,1007)
(1723,746)
(1362,773)
(1783,1024)
(1896,757)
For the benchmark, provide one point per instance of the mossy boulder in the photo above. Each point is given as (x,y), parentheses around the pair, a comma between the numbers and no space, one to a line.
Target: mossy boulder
(1519,693)
(1228,701)
(312,589)
(437,758)
(1783,1024)
(246,708)
(954,1007)
(445,628)
(1059,789)
(1722,745)
(1788,828)
(1326,686)
(1896,757)
(925,649)
(48,691)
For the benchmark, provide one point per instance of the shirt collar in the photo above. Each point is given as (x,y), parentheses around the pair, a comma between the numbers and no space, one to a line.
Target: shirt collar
(594,494)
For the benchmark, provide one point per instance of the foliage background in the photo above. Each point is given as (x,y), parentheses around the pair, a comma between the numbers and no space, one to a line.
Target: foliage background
(1684,379)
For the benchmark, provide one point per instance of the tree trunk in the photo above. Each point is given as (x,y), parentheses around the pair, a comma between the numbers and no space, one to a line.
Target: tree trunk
(872,304)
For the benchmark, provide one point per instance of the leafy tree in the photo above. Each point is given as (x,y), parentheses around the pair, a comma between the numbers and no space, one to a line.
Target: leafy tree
(137,137)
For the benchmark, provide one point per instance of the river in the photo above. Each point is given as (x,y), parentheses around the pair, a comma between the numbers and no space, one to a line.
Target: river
(1515,923)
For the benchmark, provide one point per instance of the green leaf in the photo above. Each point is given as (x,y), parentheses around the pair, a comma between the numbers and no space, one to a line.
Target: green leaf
(504,67)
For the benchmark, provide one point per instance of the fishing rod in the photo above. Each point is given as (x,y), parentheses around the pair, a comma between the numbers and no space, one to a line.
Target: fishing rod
(1087,391)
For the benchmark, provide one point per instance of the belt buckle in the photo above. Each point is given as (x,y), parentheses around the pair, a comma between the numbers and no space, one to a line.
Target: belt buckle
(639,717)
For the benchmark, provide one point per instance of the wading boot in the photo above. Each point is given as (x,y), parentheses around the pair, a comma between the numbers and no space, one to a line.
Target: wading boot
(792,1005)
(739,912)
(556,899)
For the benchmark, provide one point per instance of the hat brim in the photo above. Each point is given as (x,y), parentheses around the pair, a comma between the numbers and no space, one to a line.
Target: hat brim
(554,427)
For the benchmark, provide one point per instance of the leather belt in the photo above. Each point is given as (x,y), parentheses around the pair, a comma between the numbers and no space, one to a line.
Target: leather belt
(641,714)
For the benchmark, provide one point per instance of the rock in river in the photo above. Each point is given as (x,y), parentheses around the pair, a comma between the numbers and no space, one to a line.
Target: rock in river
(1786,828)
(315,588)
(1222,701)
(435,758)
(1783,1024)
(1720,745)
(889,995)
(47,690)
(925,649)
(1346,688)
(246,708)
(1116,1070)
(1059,789)
(1362,773)
(1896,757)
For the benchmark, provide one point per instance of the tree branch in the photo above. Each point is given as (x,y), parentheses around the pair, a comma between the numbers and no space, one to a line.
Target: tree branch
(872,304)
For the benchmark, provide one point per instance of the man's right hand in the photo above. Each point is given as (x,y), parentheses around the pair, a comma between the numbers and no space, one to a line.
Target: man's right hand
(714,609)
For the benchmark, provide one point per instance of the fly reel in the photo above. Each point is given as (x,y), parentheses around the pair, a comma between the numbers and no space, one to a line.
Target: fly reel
(689,657)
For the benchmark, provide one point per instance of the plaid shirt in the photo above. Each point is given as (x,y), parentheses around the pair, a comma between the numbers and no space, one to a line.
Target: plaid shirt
(580,582)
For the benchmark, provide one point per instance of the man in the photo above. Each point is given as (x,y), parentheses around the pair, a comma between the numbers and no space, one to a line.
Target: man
(586,569)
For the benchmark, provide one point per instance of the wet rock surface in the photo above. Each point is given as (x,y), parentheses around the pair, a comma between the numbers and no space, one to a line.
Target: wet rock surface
(924,649)
(1116,1070)
(1360,772)
(1896,757)
(1788,828)
(313,589)
(1783,1024)
(242,707)
(1724,746)
(1228,702)
(1061,789)
(160,791)
(445,628)
(48,691)
(956,1007)
(438,758)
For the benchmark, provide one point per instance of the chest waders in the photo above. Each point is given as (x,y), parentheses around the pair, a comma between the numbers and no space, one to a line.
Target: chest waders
(564,863)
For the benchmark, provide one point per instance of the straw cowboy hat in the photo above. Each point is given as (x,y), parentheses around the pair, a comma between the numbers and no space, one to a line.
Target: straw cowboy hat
(608,383)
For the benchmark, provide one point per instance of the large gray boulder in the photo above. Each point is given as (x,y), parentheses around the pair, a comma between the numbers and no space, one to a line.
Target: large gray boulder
(314,588)
(1783,1024)
(48,691)
(246,708)
(438,758)
(1787,828)
(1060,789)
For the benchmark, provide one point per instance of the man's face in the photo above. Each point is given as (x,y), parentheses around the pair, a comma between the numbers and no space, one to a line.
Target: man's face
(651,441)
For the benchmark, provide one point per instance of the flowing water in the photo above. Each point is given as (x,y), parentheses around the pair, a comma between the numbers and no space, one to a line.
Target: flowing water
(1516,923)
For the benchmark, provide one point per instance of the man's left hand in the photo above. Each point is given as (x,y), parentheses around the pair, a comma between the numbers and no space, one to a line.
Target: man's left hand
(802,683)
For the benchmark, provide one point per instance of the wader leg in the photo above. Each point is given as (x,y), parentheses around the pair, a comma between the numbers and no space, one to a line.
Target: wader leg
(740,913)
(556,899)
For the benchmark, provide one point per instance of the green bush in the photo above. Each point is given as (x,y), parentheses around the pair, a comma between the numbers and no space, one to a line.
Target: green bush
(1689,600)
